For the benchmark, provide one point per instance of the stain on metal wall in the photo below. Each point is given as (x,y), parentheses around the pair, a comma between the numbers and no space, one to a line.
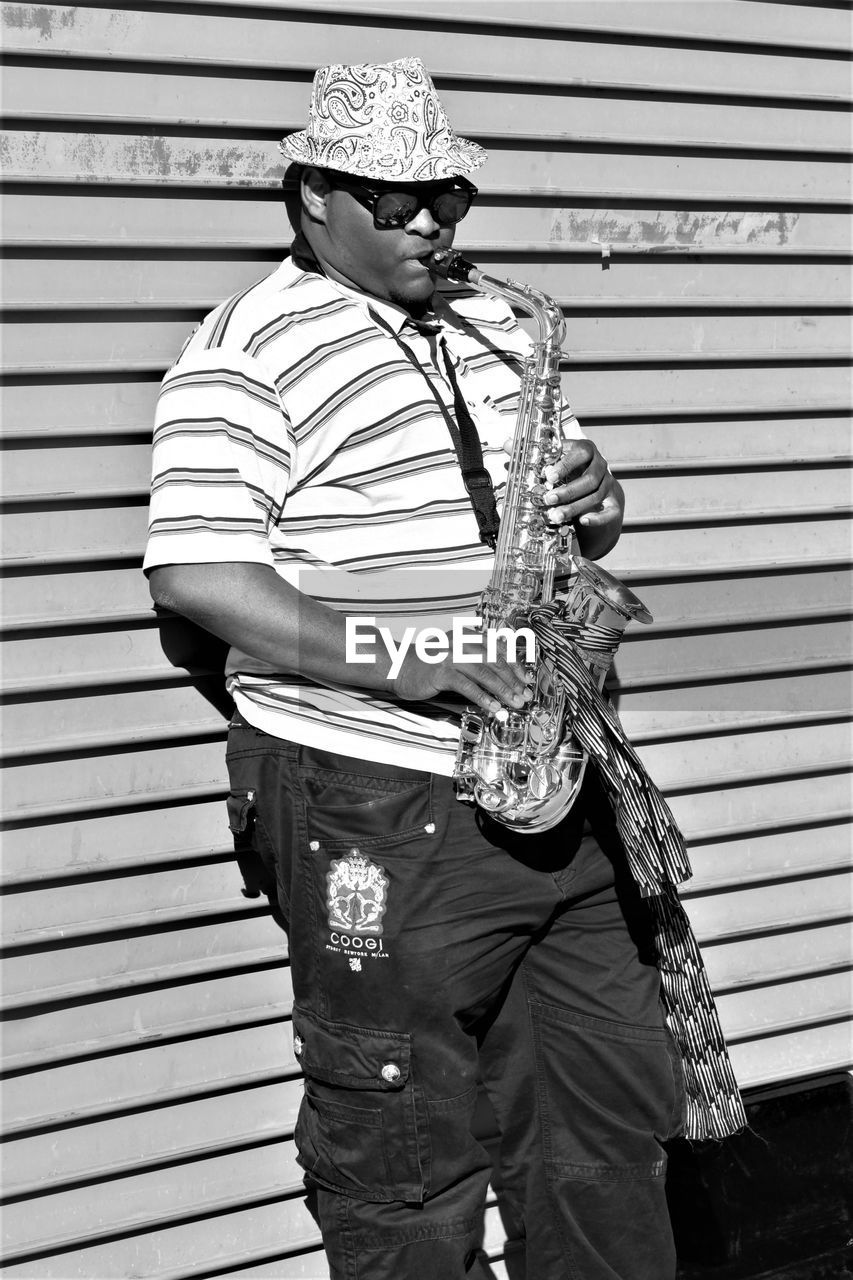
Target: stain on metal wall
(677,175)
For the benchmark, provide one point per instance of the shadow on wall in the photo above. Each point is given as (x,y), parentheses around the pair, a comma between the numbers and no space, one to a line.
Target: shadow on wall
(200,654)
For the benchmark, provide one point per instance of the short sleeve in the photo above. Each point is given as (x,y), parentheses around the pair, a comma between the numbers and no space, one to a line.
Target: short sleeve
(223,455)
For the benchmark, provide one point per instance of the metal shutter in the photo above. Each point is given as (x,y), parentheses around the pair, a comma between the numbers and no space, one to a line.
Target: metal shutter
(676,176)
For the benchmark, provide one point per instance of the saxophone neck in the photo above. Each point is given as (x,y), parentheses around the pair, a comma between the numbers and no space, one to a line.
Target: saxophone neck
(552,327)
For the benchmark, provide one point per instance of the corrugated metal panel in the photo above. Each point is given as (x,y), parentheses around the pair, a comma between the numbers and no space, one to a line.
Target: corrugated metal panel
(677,176)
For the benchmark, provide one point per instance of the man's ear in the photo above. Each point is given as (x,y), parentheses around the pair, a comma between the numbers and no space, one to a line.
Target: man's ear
(314,188)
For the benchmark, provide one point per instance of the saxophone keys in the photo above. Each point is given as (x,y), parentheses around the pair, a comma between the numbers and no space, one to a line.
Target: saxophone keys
(493,797)
(543,730)
(543,780)
(471,730)
(508,728)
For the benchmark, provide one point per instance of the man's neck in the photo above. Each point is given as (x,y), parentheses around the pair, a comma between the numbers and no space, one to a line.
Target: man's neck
(307,258)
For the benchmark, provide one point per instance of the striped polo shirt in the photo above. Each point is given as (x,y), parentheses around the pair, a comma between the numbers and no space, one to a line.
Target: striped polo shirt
(294,431)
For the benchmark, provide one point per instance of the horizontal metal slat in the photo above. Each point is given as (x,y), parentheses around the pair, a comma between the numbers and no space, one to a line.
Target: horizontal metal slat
(204,897)
(804,694)
(128,1145)
(78,472)
(78,215)
(764,857)
(87,723)
(763,807)
(780,559)
(740,597)
(92,340)
(263,109)
(811,1051)
(38,791)
(681,393)
(107,843)
(92,844)
(176,1251)
(806,1002)
(732,495)
(732,759)
(134,1202)
(84,469)
(585,366)
(23,309)
(799,696)
(83,906)
(697,658)
(148,900)
(772,909)
(735,546)
(139,1078)
(776,956)
(147,1016)
(87,909)
(123,657)
(114,473)
(113,965)
(802,26)
(78,595)
(107,598)
(46,788)
(126,656)
(240,1000)
(302,45)
(672,278)
(717,443)
(151,1199)
(660,183)
(116,406)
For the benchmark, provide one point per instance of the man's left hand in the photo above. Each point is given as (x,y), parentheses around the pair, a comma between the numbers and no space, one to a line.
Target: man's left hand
(582,489)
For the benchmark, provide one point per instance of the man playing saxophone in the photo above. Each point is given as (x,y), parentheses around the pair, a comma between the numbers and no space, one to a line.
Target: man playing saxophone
(328,446)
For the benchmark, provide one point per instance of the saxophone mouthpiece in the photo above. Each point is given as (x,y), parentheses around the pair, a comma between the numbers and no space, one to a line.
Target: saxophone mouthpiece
(452,266)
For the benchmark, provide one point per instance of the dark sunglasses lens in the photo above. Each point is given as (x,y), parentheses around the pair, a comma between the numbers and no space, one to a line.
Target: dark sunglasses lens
(397,208)
(394,209)
(450,207)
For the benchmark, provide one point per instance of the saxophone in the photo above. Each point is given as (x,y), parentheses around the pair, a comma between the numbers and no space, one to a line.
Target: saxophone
(524,768)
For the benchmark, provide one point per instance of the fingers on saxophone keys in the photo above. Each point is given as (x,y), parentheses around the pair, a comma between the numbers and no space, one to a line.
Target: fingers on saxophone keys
(497,688)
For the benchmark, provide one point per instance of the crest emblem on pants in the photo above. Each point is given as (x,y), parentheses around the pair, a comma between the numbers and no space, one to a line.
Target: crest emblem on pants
(356,895)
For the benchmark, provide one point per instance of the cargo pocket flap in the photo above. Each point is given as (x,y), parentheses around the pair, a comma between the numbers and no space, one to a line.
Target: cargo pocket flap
(240,804)
(351,1057)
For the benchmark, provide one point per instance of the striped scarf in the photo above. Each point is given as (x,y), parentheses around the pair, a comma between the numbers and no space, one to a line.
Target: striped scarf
(658,862)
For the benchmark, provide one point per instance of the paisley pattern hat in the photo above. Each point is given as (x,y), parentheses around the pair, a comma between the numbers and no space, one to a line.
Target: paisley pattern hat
(381,120)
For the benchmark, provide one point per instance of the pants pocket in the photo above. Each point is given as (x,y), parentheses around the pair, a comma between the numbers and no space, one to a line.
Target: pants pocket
(258,877)
(363,803)
(608,1093)
(358,1130)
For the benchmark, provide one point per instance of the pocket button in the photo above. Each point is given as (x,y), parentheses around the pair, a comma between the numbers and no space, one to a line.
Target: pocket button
(390,1072)
(298,1046)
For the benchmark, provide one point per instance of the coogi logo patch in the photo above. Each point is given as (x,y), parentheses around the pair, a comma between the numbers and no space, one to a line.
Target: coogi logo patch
(356,895)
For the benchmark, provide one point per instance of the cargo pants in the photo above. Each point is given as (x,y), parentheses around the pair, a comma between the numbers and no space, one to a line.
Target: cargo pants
(433,950)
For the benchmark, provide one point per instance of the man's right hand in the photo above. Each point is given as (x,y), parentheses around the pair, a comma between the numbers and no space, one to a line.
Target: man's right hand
(250,606)
(490,686)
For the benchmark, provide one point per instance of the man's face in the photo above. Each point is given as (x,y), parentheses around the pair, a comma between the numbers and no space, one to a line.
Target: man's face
(392,263)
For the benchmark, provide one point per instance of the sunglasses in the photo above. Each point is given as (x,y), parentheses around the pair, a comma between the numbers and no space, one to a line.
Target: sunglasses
(392,208)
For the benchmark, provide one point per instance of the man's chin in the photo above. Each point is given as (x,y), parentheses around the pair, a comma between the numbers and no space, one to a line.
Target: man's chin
(415,295)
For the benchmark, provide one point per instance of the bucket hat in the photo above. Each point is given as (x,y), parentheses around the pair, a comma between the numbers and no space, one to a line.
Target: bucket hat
(381,120)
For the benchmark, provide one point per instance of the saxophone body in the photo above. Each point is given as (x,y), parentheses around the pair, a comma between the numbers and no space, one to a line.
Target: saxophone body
(524,768)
